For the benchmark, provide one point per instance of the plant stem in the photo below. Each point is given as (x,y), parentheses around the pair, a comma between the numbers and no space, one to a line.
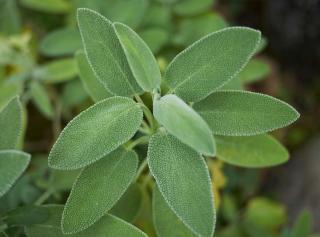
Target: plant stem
(141,168)
(147,112)
(44,197)
(140,140)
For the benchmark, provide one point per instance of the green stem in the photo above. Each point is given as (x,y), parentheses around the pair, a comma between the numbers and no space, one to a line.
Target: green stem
(44,197)
(147,113)
(139,141)
(141,168)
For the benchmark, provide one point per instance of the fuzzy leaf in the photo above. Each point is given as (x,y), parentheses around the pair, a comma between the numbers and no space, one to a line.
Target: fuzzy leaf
(184,123)
(105,53)
(10,124)
(254,151)
(12,165)
(140,58)
(90,82)
(240,113)
(104,183)
(183,179)
(211,62)
(48,6)
(64,41)
(96,132)
(165,220)
(41,99)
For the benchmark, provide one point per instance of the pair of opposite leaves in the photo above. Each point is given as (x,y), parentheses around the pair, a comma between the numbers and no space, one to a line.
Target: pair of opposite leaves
(192,75)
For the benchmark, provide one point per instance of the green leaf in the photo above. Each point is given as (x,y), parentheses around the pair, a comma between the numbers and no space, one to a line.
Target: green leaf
(211,62)
(11,124)
(254,151)
(183,179)
(12,165)
(56,71)
(41,99)
(8,90)
(63,180)
(184,123)
(73,93)
(48,6)
(140,58)
(90,82)
(105,54)
(96,132)
(191,7)
(303,225)
(10,19)
(103,183)
(254,71)
(240,113)
(165,220)
(129,205)
(61,42)
(155,38)
(107,226)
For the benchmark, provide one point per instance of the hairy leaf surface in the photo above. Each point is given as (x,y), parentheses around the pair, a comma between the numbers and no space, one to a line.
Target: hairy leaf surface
(12,165)
(140,58)
(254,151)
(211,62)
(96,132)
(10,124)
(239,113)
(183,122)
(97,189)
(105,53)
(183,179)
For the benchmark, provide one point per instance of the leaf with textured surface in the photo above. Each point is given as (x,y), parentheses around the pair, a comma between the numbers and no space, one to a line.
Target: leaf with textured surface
(240,113)
(254,151)
(183,179)
(64,41)
(12,165)
(105,53)
(103,183)
(183,122)
(140,58)
(96,132)
(10,124)
(211,62)
(90,82)
(41,99)
(165,220)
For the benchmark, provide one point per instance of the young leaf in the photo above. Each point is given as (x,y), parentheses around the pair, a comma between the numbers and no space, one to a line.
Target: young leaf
(105,53)
(240,113)
(90,82)
(183,179)
(140,58)
(12,165)
(41,99)
(254,151)
(211,62)
(96,132)
(104,183)
(184,123)
(10,124)
(61,42)
(165,220)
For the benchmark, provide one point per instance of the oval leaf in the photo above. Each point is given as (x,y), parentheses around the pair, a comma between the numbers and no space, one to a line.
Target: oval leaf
(90,82)
(104,183)
(183,122)
(105,53)
(12,165)
(10,124)
(254,151)
(240,113)
(140,58)
(41,99)
(183,179)
(211,62)
(96,132)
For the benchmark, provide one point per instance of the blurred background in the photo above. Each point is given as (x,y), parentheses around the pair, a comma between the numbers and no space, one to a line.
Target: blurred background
(38,40)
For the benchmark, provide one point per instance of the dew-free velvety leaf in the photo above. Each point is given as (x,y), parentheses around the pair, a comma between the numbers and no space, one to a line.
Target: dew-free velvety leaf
(183,179)
(211,62)
(184,123)
(10,124)
(240,113)
(96,132)
(97,189)
(12,165)
(61,42)
(253,151)
(105,53)
(90,82)
(49,6)
(165,220)
(41,99)
(140,58)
